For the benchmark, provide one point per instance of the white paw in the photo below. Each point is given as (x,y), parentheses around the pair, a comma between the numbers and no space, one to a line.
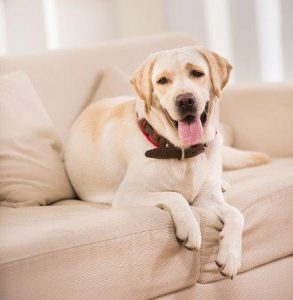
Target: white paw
(229,259)
(187,230)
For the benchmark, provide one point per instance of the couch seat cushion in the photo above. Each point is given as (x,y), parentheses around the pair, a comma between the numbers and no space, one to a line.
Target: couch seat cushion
(86,251)
(265,196)
(80,250)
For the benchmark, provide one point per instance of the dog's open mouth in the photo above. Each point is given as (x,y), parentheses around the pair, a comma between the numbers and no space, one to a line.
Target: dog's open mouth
(190,118)
(190,128)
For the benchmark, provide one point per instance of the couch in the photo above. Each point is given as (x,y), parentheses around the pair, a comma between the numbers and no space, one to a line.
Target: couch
(78,250)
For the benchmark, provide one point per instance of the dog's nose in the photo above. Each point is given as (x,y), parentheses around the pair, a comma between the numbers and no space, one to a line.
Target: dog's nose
(185,103)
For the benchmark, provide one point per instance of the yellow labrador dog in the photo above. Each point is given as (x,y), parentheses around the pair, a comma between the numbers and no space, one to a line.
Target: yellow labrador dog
(162,148)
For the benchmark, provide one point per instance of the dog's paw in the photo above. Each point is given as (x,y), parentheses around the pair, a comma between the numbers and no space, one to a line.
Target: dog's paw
(188,230)
(229,260)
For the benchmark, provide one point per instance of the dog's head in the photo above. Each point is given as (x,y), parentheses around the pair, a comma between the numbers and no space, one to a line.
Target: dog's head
(182,83)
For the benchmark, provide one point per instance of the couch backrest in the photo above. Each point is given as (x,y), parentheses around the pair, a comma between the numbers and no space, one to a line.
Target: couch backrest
(261,116)
(65,79)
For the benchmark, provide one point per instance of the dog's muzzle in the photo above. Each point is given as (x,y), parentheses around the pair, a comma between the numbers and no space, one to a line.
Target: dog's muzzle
(185,104)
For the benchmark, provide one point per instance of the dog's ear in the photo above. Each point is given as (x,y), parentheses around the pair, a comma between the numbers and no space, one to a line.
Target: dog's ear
(142,80)
(219,69)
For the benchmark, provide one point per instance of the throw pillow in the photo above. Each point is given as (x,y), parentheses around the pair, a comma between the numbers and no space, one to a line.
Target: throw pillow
(31,168)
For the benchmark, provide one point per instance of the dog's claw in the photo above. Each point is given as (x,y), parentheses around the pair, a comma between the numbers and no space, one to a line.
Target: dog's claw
(219,265)
(184,242)
(223,274)
(226,275)
(190,249)
(179,240)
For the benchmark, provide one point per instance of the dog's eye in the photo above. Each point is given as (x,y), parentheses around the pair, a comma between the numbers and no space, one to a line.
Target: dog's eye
(163,80)
(197,74)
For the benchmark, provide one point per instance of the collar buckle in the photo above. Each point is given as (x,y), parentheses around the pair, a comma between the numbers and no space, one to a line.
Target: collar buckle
(182,154)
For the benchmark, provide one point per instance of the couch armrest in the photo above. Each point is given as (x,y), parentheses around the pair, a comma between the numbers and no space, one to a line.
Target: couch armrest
(261,117)
(81,251)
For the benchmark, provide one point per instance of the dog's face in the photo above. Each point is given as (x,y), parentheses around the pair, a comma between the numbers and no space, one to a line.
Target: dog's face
(181,82)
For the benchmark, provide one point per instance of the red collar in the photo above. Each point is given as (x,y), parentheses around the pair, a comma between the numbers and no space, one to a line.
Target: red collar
(147,135)
(164,148)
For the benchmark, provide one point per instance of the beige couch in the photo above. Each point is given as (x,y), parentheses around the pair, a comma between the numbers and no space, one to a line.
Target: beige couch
(79,250)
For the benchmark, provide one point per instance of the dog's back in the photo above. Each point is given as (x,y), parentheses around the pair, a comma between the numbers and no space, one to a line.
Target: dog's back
(93,153)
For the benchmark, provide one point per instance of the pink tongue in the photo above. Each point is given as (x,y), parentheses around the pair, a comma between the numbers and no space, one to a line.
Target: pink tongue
(190,133)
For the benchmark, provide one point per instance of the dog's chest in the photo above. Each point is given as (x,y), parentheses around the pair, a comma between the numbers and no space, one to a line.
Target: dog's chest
(185,177)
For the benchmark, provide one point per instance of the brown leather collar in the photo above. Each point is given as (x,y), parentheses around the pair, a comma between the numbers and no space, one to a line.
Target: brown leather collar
(165,149)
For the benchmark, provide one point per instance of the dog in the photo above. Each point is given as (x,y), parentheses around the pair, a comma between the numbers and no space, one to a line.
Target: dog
(163,148)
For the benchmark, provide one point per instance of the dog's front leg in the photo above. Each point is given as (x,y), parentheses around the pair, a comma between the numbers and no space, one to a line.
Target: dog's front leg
(229,256)
(187,229)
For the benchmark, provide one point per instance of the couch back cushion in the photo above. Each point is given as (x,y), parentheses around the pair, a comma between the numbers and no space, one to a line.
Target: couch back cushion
(114,83)
(261,117)
(66,80)
(31,168)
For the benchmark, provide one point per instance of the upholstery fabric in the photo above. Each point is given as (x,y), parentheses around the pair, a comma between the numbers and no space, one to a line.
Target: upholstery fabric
(84,252)
(31,169)
(270,281)
(114,83)
(261,117)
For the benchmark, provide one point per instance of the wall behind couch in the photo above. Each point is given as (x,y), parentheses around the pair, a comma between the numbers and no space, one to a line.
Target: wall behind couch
(256,35)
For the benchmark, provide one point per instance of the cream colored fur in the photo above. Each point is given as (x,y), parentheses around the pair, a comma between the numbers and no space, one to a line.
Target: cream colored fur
(105,152)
